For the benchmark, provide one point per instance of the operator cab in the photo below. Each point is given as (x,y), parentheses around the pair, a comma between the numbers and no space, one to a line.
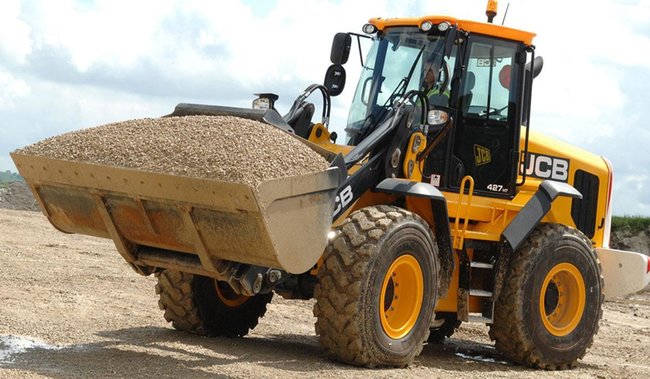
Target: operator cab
(485,139)
(470,73)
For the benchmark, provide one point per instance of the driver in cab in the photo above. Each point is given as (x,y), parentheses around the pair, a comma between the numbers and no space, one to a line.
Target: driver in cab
(433,86)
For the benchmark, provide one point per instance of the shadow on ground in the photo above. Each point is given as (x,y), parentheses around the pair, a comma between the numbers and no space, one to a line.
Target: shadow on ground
(161,352)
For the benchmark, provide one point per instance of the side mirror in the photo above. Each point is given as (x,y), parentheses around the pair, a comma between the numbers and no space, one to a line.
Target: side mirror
(335,79)
(537,65)
(341,48)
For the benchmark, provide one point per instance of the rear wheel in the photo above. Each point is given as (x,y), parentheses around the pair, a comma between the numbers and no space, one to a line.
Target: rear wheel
(377,288)
(205,306)
(548,311)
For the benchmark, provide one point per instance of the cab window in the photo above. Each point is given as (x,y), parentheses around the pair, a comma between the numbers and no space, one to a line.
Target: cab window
(488,81)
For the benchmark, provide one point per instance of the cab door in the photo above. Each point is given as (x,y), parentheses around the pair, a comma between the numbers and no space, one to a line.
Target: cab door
(485,140)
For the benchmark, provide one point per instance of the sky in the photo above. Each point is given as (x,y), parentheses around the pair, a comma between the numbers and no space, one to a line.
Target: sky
(67,65)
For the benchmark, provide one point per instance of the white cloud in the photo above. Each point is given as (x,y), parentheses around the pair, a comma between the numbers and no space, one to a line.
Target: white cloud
(15,41)
(114,33)
(11,89)
(630,195)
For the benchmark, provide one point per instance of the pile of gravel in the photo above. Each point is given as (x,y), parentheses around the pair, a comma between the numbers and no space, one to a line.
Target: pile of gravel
(213,147)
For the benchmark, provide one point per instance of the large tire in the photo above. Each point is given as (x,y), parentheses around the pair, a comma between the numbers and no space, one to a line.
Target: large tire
(204,306)
(444,327)
(548,311)
(377,288)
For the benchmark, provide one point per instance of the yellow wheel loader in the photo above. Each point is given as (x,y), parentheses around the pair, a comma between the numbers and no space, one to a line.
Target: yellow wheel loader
(441,206)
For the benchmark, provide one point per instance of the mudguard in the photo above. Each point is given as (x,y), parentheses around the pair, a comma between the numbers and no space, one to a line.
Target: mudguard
(536,208)
(405,187)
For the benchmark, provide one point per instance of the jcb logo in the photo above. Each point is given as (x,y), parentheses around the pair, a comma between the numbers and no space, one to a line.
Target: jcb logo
(343,199)
(546,167)
(481,155)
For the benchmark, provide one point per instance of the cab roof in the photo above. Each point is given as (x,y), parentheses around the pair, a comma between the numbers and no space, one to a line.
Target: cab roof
(466,25)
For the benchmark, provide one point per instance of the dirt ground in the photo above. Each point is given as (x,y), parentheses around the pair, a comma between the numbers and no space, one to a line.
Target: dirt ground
(70,307)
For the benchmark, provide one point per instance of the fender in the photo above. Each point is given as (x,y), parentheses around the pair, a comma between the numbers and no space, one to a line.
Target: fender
(404,187)
(536,208)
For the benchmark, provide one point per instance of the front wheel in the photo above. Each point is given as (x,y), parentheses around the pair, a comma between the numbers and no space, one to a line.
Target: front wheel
(377,288)
(548,311)
(205,306)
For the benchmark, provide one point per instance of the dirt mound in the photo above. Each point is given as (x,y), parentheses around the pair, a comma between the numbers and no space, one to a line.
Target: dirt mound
(17,196)
(214,147)
(625,239)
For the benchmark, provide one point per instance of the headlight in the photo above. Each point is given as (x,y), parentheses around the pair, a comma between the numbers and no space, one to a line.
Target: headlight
(264,101)
(261,103)
(426,26)
(437,117)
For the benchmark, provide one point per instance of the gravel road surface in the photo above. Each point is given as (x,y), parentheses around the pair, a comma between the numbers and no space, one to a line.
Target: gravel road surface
(71,307)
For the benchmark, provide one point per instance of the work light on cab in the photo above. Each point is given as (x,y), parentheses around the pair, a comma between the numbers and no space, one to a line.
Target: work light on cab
(369,29)
(444,26)
(426,26)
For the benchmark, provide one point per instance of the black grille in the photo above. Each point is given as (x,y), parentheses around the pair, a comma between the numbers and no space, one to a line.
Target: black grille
(583,210)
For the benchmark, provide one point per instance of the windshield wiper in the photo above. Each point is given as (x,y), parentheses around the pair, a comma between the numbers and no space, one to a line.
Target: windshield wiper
(404,83)
(415,63)
(372,120)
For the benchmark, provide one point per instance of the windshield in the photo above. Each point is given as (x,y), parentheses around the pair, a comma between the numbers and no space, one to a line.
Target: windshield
(401,59)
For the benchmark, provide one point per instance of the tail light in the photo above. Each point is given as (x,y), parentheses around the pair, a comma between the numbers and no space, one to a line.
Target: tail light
(608,204)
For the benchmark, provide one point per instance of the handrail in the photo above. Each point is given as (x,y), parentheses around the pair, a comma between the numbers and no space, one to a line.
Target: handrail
(459,235)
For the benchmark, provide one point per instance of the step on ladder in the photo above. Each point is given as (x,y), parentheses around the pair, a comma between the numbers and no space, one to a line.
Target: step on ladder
(488,309)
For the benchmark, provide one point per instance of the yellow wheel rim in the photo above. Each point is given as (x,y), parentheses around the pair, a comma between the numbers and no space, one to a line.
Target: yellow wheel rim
(401,296)
(228,296)
(562,299)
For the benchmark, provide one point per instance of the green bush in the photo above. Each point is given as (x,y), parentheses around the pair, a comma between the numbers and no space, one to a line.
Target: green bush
(8,176)
(634,224)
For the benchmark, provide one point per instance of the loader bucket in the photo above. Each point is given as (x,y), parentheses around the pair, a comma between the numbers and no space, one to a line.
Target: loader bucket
(282,223)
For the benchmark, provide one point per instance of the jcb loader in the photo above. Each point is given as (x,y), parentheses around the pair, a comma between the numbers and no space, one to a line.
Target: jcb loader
(441,206)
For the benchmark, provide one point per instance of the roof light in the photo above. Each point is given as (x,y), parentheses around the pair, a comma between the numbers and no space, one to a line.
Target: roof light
(369,29)
(491,10)
(426,26)
(443,26)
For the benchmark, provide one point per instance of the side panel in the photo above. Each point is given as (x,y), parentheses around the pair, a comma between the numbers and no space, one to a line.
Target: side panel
(556,160)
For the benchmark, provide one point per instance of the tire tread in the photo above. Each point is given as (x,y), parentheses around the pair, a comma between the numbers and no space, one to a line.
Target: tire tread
(508,328)
(182,306)
(339,287)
